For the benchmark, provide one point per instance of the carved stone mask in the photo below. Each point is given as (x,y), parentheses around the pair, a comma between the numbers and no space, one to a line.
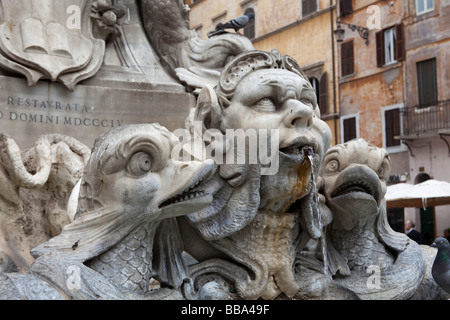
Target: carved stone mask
(261,90)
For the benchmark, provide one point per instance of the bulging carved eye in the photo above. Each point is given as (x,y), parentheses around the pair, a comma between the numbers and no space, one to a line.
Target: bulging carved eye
(307,102)
(266,104)
(140,163)
(332,166)
(384,170)
(381,172)
(266,101)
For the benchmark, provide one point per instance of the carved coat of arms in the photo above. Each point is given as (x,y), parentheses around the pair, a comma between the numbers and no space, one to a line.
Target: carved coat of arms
(49,39)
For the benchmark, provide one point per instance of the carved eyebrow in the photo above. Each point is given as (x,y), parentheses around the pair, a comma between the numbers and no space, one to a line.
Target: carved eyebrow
(309,93)
(273,83)
(305,91)
(335,152)
(332,153)
(308,90)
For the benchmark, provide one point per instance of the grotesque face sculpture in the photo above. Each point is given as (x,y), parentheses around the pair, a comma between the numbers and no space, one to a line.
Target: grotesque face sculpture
(272,93)
(271,99)
(266,91)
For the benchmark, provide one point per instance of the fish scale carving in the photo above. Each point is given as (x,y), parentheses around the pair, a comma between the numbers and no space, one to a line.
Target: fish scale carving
(361,247)
(128,263)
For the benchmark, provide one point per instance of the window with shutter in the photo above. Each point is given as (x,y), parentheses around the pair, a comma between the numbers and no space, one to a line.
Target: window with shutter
(347,58)
(249,30)
(392,127)
(308,7)
(315,84)
(390,45)
(426,81)
(345,7)
(349,129)
(380,48)
(323,94)
(399,43)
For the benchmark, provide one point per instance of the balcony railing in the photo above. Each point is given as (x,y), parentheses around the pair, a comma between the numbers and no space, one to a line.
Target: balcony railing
(426,120)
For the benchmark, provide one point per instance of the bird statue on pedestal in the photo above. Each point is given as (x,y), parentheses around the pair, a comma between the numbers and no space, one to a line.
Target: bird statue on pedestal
(441,265)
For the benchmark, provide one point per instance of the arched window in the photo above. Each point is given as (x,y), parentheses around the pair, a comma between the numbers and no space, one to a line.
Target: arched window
(249,30)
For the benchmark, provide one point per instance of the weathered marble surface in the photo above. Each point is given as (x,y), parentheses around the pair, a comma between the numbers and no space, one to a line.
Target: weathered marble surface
(262,91)
(246,231)
(150,214)
(129,185)
(123,80)
(34,189)
(367,256)
(40,42)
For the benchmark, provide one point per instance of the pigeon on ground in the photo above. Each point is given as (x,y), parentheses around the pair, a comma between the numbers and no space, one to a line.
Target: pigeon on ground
(441,265)
(236,24)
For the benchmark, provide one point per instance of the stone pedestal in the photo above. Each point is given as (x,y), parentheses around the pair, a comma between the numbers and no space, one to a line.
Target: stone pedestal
(131,87)
(89,111)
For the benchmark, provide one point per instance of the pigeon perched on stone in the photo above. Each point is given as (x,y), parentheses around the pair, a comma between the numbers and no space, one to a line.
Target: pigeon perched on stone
(236,24)
(441,265)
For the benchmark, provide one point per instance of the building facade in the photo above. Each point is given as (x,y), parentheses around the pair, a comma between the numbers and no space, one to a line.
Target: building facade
(425,118)
(394,92)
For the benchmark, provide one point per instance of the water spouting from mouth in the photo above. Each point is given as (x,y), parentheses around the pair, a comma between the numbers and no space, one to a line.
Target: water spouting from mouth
(309,154)
(315,205)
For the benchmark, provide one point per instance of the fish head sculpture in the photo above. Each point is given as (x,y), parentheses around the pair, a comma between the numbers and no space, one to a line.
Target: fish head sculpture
(131,180)
(354,179)
(132,168)
(354,176)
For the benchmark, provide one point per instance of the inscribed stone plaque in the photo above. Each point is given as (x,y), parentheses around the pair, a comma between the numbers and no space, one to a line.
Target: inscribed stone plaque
(85,114)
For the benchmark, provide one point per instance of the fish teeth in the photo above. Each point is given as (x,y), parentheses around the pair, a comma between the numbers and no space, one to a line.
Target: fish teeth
(186,194)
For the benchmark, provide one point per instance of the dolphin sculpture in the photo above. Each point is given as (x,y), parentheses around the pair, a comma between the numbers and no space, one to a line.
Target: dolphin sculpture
(130,193)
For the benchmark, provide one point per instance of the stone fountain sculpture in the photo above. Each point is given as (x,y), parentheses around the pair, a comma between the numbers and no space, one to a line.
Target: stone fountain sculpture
(130,184)
(195,62)
(367,256)
(64,41)
(46,40)
(34,189)
(263,91)
(163,215)
(39,42)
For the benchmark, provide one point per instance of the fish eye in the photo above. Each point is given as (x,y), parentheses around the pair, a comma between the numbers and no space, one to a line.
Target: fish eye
(332,166)
(140,163)
(381,172)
